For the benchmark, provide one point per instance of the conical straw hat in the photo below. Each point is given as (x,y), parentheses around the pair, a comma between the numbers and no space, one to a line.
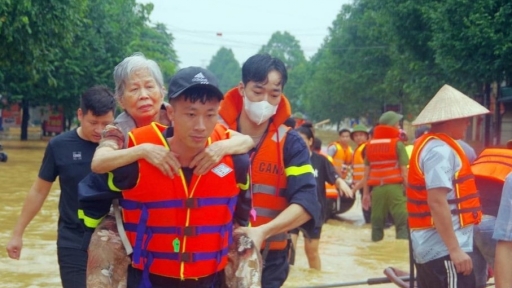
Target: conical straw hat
(449,104)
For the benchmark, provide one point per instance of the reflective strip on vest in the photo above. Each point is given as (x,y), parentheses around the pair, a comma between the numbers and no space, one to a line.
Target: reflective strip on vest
(265,212)
(281,130)
(278,237)
(266,189)
(377,141)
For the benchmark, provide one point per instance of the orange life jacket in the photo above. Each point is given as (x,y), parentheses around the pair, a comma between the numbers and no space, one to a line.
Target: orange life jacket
(493,163)
(342,159)
(267,165)
(358,164)
(383,158)
(330,189)
(491,169)
(179,230)
(466,195)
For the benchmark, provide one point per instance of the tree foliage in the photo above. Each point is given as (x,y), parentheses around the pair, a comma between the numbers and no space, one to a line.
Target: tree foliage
(54,50)
(226,68)
(402,51)
(286,47)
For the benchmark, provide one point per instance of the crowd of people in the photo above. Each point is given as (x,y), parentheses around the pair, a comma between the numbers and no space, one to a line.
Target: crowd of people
(185,168)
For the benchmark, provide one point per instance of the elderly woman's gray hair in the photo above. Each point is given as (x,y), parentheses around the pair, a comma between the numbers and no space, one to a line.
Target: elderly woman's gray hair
(134,63)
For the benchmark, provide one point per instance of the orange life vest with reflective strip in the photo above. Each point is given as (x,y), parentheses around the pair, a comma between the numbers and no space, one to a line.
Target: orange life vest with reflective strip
(342,159)
(358,164)
(179,230)
(267,168)
(383,158)
(466,195)
(269,182)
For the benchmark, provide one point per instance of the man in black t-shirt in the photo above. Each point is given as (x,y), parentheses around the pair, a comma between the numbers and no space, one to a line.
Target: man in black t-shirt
(68,156)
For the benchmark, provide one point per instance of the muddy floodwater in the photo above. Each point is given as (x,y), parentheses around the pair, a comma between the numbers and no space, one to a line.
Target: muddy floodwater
(346,251)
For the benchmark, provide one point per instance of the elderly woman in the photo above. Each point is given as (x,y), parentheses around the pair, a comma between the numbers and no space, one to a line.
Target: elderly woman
(140,92)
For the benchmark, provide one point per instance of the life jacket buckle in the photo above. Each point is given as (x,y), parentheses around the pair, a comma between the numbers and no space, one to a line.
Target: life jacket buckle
(191,203)
(186,257)
(190,231)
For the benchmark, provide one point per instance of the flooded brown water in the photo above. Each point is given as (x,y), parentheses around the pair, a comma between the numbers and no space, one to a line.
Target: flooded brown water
(346,251)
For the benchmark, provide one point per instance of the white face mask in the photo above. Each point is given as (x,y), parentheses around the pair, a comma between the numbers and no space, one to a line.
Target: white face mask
(259,112)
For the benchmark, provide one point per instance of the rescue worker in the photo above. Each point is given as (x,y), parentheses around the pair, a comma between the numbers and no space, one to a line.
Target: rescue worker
(386,173)
(341,153)
(360,136)
(490,169)
(442,198)
(324,173)
(283,184)
(68,157)
(181,231)
(299,119)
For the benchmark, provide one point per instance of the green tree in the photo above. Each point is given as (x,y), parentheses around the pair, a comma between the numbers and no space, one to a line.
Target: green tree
(286,47)
(157,44)
(225,67)
(55,50)
(33,34)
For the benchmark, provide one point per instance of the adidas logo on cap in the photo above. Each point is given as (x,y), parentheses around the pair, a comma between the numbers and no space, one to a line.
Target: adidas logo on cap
(200,78)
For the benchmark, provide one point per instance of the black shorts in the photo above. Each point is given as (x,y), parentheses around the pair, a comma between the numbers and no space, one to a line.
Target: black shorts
(315,234)
(135,279)
(440,273)
(72,267)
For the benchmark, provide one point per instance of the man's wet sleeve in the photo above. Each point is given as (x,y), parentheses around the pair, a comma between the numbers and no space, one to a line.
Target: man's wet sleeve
(96,192)
(301,184)
(244,202)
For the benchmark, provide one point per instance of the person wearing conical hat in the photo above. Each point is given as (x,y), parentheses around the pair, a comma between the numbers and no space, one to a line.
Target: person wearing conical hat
(442,198)
(385,174)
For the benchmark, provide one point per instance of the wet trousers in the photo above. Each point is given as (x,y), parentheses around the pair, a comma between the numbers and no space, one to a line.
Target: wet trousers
(72,266)
(388,199)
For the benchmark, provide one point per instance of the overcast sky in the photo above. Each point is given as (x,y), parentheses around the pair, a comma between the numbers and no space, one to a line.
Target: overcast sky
(245,25)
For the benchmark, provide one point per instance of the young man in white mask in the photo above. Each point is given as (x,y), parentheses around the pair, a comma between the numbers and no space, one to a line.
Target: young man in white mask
(283,184)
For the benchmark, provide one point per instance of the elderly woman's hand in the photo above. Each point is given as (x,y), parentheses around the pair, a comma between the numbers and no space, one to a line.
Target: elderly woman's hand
(161,158)
(208,158)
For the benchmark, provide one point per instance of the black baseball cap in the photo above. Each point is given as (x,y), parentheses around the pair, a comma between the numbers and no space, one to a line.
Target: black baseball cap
(191,77)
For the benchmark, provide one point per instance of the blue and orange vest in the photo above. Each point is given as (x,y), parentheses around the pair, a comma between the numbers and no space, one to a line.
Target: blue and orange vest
(466,195)
(383,158)
(179,230)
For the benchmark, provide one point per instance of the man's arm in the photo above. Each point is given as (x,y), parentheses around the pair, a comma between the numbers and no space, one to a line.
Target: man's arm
(441,215)
(109,155)
(403,161)
(292,217)
(366,189)
(502,275)
(96,192)
(33,203)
